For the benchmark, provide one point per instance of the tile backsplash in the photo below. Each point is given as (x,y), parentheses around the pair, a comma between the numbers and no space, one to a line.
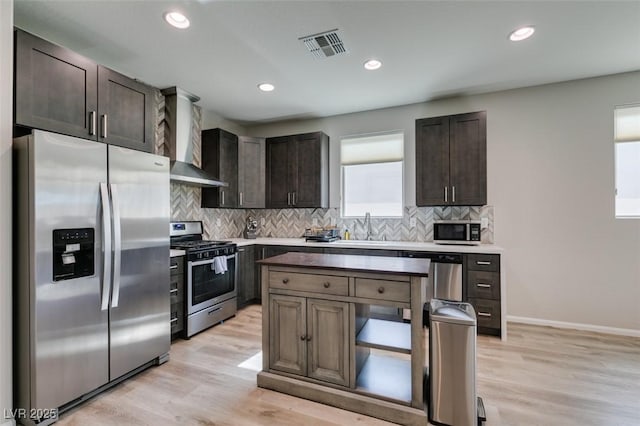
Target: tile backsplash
(291,223)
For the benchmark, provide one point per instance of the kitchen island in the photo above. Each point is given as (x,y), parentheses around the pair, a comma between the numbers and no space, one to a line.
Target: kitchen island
(320,343)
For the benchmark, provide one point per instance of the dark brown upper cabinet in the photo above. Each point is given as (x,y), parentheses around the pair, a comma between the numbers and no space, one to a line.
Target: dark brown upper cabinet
(451,160)
(61,91)
(220,159)
(298,171)
(239,161)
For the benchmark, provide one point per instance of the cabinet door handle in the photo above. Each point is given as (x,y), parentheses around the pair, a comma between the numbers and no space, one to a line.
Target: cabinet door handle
(173,267)
(174,291)
(222,195)
(241,201)
(453,194)
(327,285)
(482,285)
(288,198)
(285,280)
(92,123)
(484,314)
(446,194)
(483,262)
(380,290)
(174,320)
(293,197)
(104,125)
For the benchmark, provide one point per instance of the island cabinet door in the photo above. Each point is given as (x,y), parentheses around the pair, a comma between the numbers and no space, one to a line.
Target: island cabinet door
(288,334)
(328,338)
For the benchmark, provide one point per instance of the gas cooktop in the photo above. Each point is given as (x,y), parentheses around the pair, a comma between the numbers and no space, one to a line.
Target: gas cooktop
(198,244)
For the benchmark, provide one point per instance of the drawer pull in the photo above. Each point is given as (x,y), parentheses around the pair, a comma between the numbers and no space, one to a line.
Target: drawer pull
(174,320)
(285,280)
(483,262)
(173,266)
(482,285)
(380,290)
(484,314)
(327,284)
(174,291)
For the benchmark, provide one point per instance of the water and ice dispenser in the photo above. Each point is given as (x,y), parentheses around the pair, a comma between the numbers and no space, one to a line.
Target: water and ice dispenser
(73,253)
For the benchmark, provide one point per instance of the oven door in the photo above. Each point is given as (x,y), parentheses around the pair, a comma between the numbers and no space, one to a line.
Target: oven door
(205,288)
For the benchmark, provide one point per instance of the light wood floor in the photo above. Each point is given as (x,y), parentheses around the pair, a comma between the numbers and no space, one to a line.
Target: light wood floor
(541,376)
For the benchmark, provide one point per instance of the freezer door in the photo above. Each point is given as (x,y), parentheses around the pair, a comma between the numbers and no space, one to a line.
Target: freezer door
(140,317)
(68,330)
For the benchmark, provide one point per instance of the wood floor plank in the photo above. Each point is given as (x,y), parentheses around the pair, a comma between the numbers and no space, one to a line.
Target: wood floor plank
(540,376)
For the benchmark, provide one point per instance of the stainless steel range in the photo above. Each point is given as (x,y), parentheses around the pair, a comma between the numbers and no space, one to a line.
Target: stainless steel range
(210,276)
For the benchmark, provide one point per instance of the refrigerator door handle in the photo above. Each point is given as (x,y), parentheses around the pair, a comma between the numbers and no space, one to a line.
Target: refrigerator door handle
(117,245)
(106,239)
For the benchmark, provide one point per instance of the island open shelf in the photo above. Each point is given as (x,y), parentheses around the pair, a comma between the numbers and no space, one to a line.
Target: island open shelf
(387,376)
(388,335)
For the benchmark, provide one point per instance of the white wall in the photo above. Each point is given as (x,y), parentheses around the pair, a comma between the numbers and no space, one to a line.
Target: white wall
(551,182)
(211,120)
(6,118)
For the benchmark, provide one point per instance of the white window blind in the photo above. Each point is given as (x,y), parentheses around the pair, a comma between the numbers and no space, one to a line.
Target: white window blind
(372,175)
(382,148)
(627,161)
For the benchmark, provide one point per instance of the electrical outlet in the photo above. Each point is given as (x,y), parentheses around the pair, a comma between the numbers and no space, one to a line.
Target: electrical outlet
(484,222)
(412,222)
(218,222)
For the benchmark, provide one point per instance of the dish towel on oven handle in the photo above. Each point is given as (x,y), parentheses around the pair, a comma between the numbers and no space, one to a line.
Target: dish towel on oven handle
(219,264)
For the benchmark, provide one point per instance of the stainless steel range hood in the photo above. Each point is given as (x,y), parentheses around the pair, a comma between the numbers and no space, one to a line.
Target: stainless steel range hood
(178,116)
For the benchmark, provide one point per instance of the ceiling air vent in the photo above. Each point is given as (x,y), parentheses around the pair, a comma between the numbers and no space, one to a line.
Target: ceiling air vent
(325,44)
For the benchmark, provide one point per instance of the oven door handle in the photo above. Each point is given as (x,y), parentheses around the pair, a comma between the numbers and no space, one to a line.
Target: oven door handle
(207,261)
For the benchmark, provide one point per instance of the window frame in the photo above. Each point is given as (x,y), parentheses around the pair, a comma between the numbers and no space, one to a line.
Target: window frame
(403,170)
(617,141)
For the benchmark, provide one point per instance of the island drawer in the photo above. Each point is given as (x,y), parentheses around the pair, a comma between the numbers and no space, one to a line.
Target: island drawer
(382,289)
(483,285)
(326,284)
(483,262)
(487,312)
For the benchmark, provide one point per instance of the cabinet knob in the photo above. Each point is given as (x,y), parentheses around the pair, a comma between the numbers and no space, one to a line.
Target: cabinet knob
(308,338)
(327,284)
(285,280)
(302,337)
(380,290)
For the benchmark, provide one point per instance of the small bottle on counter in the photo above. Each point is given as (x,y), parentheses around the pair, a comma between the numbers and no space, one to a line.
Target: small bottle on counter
(347,235)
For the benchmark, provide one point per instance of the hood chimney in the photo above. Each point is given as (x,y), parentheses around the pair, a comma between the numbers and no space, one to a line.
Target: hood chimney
(178,116)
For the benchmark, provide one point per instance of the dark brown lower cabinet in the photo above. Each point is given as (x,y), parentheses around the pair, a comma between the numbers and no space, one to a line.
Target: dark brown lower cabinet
(246,277)
(177,295)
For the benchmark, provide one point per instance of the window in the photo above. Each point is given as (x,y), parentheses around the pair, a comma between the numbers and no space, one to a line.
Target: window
(372,175)
(627,158)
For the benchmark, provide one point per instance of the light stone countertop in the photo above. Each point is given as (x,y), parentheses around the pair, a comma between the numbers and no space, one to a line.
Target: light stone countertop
(362,244)
(176,253)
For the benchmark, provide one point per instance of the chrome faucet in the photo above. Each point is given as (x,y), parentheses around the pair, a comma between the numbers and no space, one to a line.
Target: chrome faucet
(367,225)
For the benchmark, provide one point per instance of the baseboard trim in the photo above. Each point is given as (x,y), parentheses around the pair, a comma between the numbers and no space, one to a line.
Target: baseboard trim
(575,326)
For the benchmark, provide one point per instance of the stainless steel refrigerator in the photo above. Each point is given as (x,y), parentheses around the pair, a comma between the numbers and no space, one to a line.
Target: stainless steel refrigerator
(92,282)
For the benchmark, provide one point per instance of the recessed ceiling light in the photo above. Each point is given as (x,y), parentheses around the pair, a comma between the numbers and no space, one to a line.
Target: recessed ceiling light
(372,64)
(521,33)
(177,20)
(266,87)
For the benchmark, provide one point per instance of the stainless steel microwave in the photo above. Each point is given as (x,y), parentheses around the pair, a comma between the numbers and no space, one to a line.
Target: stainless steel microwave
(457,232)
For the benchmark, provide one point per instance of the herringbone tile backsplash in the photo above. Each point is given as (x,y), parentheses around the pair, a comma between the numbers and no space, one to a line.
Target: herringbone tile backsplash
(291,223)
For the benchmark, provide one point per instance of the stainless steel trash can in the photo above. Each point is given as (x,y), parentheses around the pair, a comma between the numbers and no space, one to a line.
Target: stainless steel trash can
(452,364)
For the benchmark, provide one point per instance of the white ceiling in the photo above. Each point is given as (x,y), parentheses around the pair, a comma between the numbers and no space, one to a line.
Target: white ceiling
(429,49)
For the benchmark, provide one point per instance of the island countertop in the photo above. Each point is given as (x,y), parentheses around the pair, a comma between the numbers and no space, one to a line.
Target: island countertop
(375,264)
